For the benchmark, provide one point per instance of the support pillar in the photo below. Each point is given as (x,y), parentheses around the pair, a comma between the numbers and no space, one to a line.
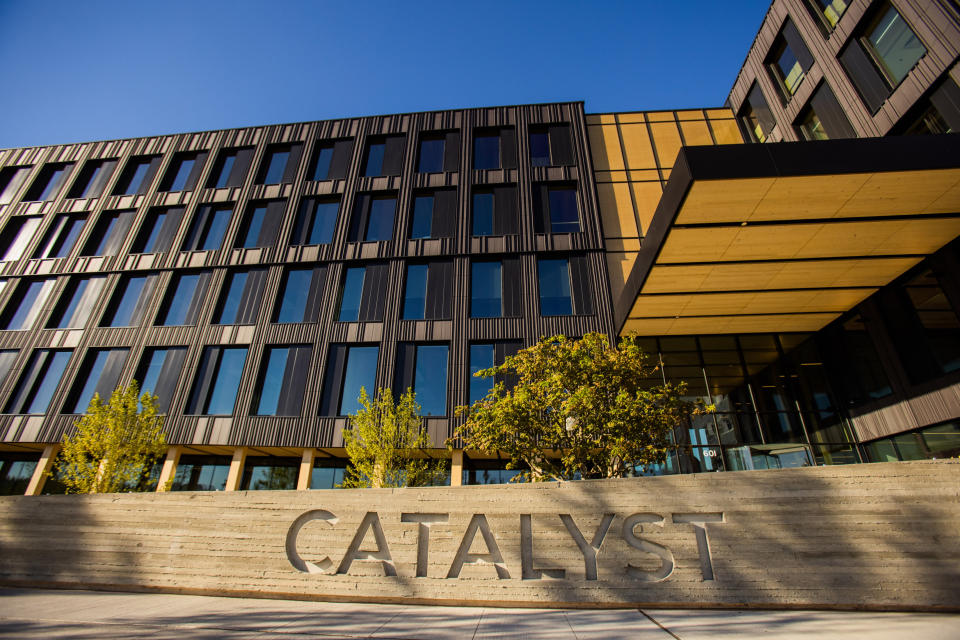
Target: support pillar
(44,465)
(456,468)
(169,470)
(236,469)
(306,469)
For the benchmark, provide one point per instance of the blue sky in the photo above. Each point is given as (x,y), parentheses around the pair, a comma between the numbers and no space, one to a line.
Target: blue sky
(81,70)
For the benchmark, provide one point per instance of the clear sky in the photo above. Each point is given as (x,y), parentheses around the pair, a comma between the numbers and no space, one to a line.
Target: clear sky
(76,70)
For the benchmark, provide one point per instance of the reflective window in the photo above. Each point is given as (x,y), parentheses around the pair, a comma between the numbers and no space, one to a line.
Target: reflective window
(109,234)
(481,357)
(275,162)
(209,226)
(812,128)
(180,171)
(249,238)
(201,473)
(300,294)
(316,222)
(11,179)
(61,237)
(539,148)
(893,45)
(283,379)
(321,167)
(38,382)
(486,151)
(327,473)
(380,224)
(16,470)
(430,379)
(100,374)
(7,356)
(159,372)
(77,302)
(415,293)
(240,297)
(564,217)
(351,294)
(431,155)
(47,184)
(374,163)
(269,473)
(486,290)
(483,214)
(137,175)
(158,230)
(17,234)
(360,373)
(185,297)
(217,382)
(231,168)
(27,303)
(129,302)
(554,279)
(830,11)
(786,68)
(331,160)
(422,217)
(93,179)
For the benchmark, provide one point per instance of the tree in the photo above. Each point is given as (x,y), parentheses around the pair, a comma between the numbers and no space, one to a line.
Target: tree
(383,442)
(579,408)
(114,444)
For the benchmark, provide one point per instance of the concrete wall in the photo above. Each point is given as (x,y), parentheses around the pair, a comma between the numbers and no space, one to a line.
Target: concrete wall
(862,536)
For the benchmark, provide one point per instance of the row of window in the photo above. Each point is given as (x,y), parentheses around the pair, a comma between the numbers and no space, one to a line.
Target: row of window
(281,380)
(496,148)
(494,212)
(564,286)
(880,55)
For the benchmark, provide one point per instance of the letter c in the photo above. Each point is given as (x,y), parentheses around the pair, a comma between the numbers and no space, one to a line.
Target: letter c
(323,566)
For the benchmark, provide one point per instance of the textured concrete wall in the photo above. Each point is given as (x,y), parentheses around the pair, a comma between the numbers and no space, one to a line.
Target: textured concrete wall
(862,536)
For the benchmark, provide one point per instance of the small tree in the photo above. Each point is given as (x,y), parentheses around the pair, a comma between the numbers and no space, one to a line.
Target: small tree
(382,443)
(579,408)
(114,444)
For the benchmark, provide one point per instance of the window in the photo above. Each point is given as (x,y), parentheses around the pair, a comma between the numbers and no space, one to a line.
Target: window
(185,297)
(823,117)
(316,221)
(893,45)
(39,381)
(755,116)
(423,367)
(487,356)
(201,473)
(159,372)
(434,214)
(261,224)
(231,168)
(331,160)
(439,152)
(555,208)
(137,176)
(550,145)
(564,286)
(349,369)
(61,236)
(495,211)
(495,148)
(11,179)
(280,163)
(384,156)
(827,12)
(76,303)
(47,184)
(17,234)
(184,171)
(240,297)
(158,230)
(93,178)
(27,303)
(209,226)
(109,233)
(283,378)
(16,470)
(98,374)
(265,473)
(300,296)
(788,60)
(428,292)
(7,357)
(361,297)
(327,473)
(486,290)
(218,379)
(129,302)
(372,218)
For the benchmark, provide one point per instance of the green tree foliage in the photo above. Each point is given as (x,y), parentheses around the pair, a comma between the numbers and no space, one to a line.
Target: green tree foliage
(114,444)
(382,443)
(579,408)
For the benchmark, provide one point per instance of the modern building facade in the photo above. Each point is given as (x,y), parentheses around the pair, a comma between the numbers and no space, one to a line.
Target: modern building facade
(255,279)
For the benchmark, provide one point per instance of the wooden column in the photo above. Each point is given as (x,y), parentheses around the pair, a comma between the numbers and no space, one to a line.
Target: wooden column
(169,470)
(44,465)
(456,468)
(236,469)
(306,469)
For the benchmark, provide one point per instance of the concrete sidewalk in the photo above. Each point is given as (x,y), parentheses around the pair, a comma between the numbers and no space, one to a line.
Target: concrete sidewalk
(35,613)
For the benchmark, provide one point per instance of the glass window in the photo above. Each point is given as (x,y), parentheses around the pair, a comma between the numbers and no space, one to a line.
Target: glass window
(811,127)
(483,214)
(360,373)
(830,11)
(317,221)
(351,295)
(201,473)
(109,234)
(77,302)
(274,165)
(136,176)
(893,45)
(327,473)
(486,151)
(481,357)
(39,381)
(27,303)
(11,179)
(422,217)
(218,379)
(209,227)
(540,148)
(159,372)
(380,224)
(182,305)
(158,230)
(942,440)
(240,297)
(554,278)
(16,470)
(938,322)
(283,380)
(47,184)
(430,379)
(564,217)
(786,68)
(7,356)
(17,234)
(61,237)
(299,288)
(374,162)
(127,305)
(431,155)
(254,223)
(486,290)
(269,473)
(415,294)
(321,165)
(231,168)
(179,172)
(100,374)
(93,179)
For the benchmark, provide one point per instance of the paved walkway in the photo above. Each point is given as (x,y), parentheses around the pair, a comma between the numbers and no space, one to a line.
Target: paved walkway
(35,613)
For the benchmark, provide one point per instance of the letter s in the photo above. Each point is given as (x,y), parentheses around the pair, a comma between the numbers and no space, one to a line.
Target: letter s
(665,555)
